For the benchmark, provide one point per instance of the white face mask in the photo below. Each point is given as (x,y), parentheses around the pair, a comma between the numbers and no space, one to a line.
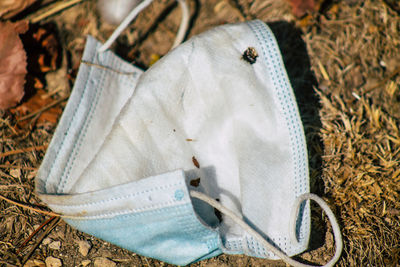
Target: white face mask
(216,118)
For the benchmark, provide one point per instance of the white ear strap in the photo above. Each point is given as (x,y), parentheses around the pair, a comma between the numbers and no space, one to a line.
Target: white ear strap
(132,15)
(331,217)
(276,251)
(184,23)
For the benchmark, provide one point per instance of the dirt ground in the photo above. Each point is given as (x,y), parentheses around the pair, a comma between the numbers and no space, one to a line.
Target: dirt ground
(343,63)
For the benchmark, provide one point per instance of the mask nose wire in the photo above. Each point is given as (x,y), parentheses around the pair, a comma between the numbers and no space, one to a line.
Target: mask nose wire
(132,15)
(276,251)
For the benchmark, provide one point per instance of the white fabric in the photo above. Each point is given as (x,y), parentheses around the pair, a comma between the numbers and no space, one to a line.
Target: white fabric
(204,100)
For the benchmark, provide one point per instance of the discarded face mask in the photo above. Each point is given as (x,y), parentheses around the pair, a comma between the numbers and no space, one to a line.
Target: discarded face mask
(144,160)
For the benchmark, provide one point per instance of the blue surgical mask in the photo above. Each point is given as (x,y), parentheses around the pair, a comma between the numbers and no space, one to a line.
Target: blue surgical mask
(141,159)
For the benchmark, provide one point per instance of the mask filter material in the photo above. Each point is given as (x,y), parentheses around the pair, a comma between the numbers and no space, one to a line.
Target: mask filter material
(144,159)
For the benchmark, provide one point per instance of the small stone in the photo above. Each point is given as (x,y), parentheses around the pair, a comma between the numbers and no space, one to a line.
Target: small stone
(57,234)
(46,241)
(34,263)
(104,262)
(31,175)
(55,245)
(84,247)
(85,263)
(15,172)
(53,262)
(35,227)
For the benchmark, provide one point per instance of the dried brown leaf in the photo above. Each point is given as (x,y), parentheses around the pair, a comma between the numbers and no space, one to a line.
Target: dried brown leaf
(302,7)
(12,64)
(35,103)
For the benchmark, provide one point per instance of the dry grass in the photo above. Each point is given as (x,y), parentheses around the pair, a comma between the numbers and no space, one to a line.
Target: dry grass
(353,53)
(349,54)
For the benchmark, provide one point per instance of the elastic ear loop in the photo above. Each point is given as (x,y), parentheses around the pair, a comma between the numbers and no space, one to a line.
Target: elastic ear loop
(276,251)
(132,15)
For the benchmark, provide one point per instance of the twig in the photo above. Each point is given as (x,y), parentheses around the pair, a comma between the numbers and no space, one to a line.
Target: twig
(42,109)
(23,150)
(53,92)
(33,121)
(147,262)
(3,174)
(33,234)
(51,10)
(9,126)
(7,263)
(40,239)
(323,71)
(25,206)
(9,166)
(393,74)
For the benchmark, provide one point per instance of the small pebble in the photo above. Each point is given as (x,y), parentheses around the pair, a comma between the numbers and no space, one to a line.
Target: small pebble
(85,263)
(46,241)
(15,172)
(84,247)
(55,245)
(104,262)
(53,262)
(34,263)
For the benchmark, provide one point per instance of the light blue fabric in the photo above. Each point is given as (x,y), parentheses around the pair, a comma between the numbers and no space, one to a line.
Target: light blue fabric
(154,215)
(173,234)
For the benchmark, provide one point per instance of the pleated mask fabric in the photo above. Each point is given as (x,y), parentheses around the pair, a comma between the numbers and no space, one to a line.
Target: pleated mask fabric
(216,115)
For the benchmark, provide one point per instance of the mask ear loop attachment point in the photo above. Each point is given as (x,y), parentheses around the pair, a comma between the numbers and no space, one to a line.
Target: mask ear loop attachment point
(270,247)
(331,217)
(133,14)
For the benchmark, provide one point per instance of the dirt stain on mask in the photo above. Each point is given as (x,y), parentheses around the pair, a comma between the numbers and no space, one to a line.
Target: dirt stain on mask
(250,55)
